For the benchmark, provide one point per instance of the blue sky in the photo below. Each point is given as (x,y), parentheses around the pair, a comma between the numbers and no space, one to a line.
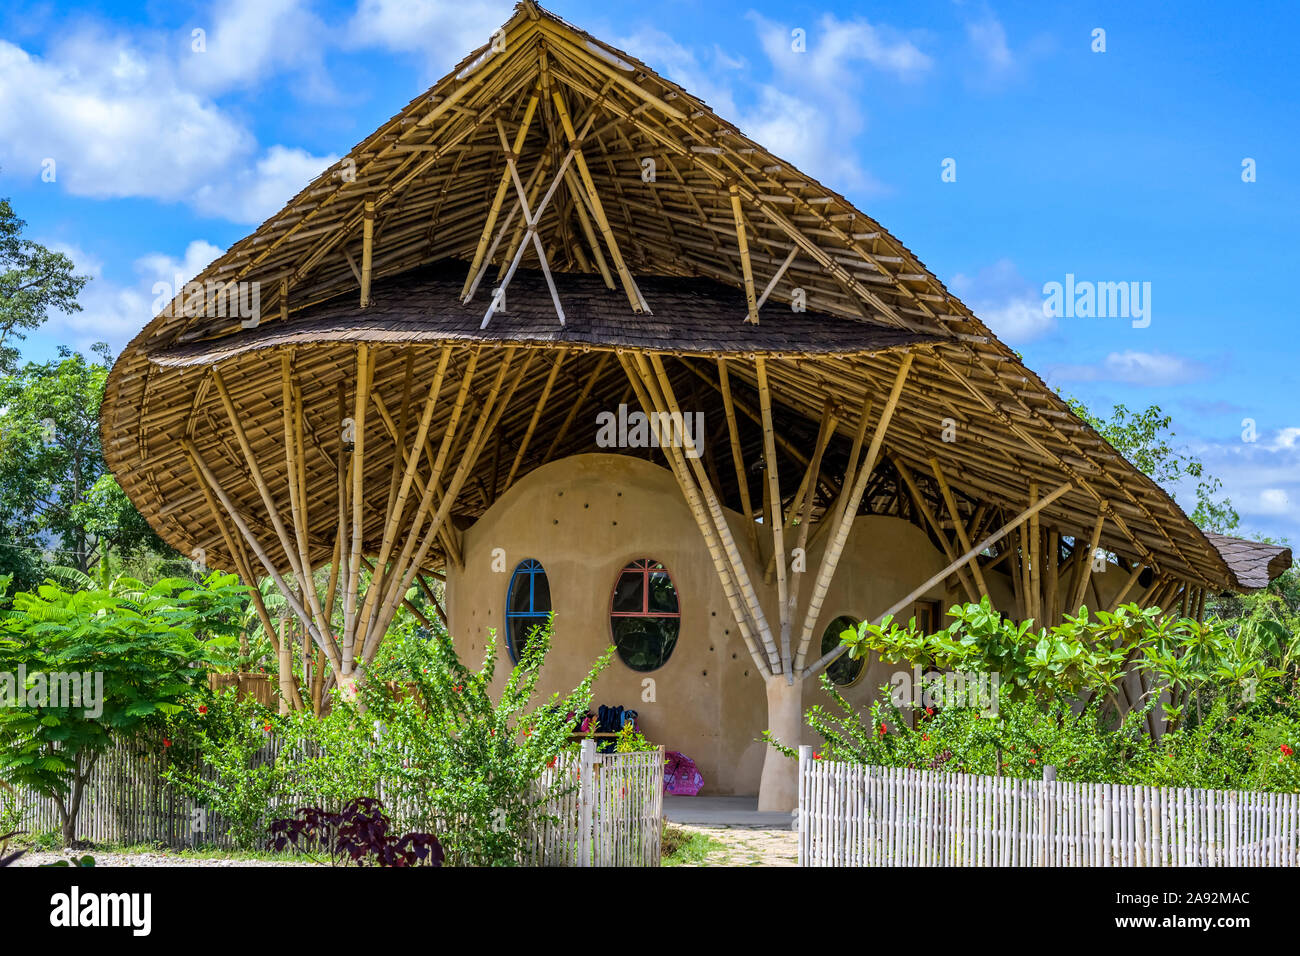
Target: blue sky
(1122,165)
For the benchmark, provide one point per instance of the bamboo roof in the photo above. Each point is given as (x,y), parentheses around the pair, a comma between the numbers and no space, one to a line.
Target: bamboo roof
(724,232)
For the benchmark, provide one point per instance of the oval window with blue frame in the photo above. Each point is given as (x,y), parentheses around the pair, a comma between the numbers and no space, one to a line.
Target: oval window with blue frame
(528,605)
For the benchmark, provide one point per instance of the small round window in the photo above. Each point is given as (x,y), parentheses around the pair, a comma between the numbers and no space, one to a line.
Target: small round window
(528,605)
(644,615)
(844,670)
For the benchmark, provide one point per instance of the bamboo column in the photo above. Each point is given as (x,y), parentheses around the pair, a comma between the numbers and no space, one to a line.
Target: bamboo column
(640,380)
(840,535)
(775,518)
(663,398)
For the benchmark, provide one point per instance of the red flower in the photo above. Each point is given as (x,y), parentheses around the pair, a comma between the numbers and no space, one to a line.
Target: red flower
(929,711)
(883,729)
(203,708)
(925,736)
(1032,760)
(1286,751)
(458,688)
(267,728)
(817,756)
(551,762)
(166,742)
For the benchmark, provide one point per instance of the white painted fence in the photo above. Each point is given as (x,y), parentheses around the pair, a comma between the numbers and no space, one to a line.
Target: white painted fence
(612,815)
(855,815)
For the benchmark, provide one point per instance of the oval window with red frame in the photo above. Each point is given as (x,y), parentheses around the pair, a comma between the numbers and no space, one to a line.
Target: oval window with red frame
(644,615)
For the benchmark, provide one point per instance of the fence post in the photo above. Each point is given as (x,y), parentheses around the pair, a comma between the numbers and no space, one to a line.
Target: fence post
(1046,816)
(586,797)
(805,760)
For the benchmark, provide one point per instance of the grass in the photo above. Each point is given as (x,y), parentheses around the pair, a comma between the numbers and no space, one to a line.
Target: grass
(685,848)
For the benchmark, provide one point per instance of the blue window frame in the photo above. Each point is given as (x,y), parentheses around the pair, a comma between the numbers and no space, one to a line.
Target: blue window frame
(528,605)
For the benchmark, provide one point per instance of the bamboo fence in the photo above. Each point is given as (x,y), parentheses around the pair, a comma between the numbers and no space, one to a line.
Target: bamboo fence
(854,815)
(612,815)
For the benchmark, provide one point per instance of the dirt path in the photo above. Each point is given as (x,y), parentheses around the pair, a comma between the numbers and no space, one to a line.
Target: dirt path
(748,846)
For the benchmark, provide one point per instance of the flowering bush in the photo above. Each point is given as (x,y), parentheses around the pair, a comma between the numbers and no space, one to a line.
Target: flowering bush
(463,764)
(220,754)
(1246,747)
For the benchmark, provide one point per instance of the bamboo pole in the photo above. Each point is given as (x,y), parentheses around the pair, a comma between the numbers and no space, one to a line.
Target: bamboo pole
(487,420)
(737,458)
(831,557)
(808,484)
(367,251)
(639,378)
(1118,599)
(502,188)
(1084,572)
(272,509)
(584,174)
(951,502)
(775,519)
(820,665)
(928,513)
(747,268)
(666,401)
(536,417)
(1035,559)
(398,509)
(253,543)
(365,369)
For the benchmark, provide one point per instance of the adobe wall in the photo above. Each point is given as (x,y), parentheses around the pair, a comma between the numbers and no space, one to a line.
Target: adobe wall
(584,518)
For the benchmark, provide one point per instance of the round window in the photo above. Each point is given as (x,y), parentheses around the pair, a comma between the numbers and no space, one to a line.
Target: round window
(844,670)
(644,615)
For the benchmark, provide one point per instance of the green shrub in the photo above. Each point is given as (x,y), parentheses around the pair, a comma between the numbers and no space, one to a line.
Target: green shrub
(465,766)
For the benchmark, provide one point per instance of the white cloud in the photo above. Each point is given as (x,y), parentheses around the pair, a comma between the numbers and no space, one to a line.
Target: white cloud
(1134,368)
(246,41)
(253,194)
(113,312)
(836,49)
(1006,302)
(1286,438)
(123,117)
(812,109)
(443,30)
(1273,501)
(113,119)
(988,38)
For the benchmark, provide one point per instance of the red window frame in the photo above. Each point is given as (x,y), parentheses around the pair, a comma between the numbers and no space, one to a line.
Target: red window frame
(645,567)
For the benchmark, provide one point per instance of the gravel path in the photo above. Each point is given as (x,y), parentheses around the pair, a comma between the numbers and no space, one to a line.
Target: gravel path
(748,846)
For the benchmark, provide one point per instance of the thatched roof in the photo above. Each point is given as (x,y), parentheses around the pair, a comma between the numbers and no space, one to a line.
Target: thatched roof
(723,222)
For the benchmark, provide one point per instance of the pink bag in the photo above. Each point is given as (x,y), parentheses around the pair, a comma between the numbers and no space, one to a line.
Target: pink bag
(681,777)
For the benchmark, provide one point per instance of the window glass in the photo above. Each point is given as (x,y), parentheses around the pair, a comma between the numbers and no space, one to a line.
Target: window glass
(645,617)
(528,604)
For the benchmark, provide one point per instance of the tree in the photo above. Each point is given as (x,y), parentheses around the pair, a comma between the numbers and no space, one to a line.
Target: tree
(55,490)
(98,666)
(1145,439)
(34,281)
